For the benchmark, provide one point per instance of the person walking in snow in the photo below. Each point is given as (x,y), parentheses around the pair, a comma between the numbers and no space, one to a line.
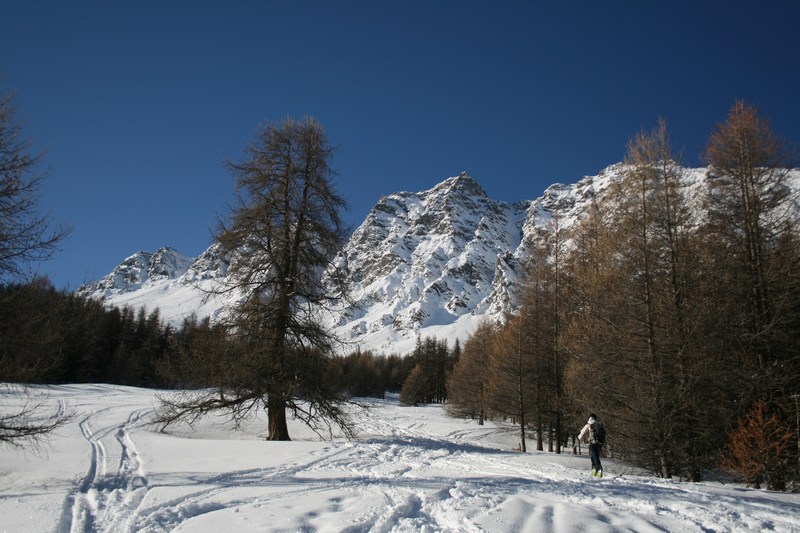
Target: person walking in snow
(594,433)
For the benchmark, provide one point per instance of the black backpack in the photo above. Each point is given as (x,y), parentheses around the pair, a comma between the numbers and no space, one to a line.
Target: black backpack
(598,434)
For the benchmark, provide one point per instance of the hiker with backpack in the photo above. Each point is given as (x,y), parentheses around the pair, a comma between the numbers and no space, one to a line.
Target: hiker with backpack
(595,434)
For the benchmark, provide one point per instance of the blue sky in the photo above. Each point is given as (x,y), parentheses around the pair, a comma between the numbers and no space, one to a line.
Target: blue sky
(137,104)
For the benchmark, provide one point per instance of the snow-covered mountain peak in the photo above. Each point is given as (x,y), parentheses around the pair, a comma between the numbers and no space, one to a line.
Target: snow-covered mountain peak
(135,272)
(427,259)
(428,263)
(167,263)
(462,185)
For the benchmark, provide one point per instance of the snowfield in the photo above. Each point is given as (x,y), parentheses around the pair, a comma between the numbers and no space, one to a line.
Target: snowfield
(411,469)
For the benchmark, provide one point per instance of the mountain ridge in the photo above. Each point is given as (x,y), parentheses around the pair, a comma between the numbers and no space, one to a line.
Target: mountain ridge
(427,263)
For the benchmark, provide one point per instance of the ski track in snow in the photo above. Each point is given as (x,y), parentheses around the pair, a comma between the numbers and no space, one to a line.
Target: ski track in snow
(411,469)
(105,502)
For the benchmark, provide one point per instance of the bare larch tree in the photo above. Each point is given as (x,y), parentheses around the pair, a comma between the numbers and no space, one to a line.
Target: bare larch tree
(27,235)
(282,234)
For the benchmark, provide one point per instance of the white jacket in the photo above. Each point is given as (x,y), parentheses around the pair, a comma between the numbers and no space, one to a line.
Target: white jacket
(586,433)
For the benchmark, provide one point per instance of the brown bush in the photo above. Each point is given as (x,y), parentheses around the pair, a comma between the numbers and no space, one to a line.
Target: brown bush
(758,449)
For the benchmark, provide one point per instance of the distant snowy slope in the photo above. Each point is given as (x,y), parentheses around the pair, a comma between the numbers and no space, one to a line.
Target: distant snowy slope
(430,263)
(176,285)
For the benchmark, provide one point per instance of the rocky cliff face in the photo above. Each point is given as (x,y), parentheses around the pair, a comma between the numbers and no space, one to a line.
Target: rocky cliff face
(426,259)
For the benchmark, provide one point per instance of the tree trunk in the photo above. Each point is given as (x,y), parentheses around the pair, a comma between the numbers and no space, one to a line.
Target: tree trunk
(665,470)
(539,434)
(276,413)
(522,445)
(558,430)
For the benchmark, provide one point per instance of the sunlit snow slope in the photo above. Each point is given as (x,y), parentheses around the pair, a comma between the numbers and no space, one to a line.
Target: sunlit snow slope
(410,469)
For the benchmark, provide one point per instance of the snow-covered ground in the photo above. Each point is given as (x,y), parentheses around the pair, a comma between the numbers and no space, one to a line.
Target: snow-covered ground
(411,469)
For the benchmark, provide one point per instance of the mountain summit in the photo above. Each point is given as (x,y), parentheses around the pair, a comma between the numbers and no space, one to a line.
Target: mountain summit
(137,271)
(425,260)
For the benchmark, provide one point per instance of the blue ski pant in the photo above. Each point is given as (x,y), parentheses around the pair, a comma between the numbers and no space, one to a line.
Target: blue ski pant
(594,454)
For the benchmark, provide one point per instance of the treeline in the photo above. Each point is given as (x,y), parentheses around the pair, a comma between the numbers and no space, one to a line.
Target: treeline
(679,329)
(420,377)
(52,336)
